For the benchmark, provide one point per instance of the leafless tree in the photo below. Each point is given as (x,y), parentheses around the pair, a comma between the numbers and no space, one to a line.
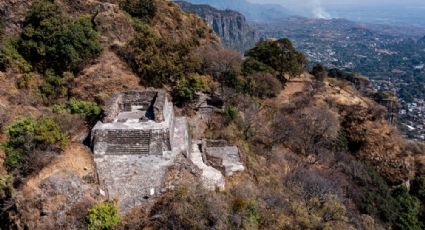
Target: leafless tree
(306,129)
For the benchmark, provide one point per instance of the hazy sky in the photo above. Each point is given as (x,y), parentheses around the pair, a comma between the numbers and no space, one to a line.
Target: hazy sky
(322,8)
(344,2)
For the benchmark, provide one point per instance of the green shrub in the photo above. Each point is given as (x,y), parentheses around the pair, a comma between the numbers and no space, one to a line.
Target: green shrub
(376,197)
(90,111)
(142,9)
(159,60)
(21,132)
(50,40)
(52,87)
(11,58)
(230,113)
(251,66)
(27,134)
(252,215)
(341,142)
(103,216)
(15,159)
(408,216)
(186,88)
(319,72)
(48,132)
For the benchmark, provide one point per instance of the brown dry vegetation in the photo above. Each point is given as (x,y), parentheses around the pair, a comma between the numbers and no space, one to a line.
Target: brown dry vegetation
(311,152)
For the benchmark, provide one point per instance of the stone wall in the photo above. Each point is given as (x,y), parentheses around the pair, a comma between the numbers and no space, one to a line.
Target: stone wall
(112,108)
(154,102)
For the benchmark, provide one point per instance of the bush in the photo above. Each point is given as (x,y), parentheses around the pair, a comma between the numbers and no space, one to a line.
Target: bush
(230,113)
(376,200)
(265,85)
(409,210)
(87,109)
(103,216)
(319,72)
(52,87)
(186,88)
(142,9)
(50,40)
(251,66)
(28,134)
(159,60)
(14,159)
(11,58)
(48,132)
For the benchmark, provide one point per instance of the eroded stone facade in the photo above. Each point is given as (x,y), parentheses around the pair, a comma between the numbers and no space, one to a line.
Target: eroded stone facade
(135,143)
(140,138)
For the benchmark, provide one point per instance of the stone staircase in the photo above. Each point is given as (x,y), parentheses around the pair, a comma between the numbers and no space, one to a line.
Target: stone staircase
(128,142)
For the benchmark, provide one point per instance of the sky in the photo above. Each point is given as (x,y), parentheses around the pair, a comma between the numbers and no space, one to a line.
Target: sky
(343,2)
(366,10)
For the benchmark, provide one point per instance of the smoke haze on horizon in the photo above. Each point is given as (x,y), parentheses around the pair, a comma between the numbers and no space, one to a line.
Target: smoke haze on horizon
(407,12)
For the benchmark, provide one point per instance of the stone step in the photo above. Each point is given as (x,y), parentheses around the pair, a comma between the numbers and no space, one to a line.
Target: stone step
(127,150)
(123,141)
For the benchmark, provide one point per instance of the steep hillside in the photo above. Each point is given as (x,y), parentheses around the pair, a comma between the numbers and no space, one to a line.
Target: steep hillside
(317,153)
(231,26)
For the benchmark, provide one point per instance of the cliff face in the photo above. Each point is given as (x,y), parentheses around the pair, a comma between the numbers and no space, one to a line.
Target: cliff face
(231,26)
(259,12)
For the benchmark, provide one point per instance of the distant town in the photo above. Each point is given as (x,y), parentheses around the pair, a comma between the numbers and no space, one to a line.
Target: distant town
(391,57)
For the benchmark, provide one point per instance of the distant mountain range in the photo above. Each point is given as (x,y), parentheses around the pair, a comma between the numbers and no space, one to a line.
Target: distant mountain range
(252,11)
(231,26)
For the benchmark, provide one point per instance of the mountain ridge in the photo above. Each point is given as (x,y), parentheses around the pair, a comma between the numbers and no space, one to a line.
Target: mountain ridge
(252,11)
(230,25)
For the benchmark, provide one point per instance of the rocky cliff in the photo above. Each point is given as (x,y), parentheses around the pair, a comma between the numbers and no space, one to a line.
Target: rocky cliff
(230,25)
(259,12)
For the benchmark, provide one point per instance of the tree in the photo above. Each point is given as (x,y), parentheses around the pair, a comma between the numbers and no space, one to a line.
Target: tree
(264,85)
(160,60)
(319,72)
(187,87)
(409,212)
(90,111)
(50,40)
(218,63)
(306,129)
(25,136)
(142,9)
(280,55)
(52,87)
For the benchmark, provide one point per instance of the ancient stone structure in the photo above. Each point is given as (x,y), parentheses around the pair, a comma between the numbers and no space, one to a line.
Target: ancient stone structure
(222,156)
(140,138)
(135,143)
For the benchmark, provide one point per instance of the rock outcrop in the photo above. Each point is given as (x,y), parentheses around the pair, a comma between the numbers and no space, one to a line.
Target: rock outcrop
(230,25)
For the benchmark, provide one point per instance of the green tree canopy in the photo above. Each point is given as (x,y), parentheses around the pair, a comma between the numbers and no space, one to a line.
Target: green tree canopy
(142,9)
(280,55)
(50,40)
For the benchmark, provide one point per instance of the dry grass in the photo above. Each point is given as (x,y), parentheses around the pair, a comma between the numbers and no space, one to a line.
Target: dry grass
(76,158)
(107,76)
